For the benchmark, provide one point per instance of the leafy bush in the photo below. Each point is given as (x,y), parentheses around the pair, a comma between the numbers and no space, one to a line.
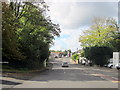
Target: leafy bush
(26,36)
(75,57)
(98,55)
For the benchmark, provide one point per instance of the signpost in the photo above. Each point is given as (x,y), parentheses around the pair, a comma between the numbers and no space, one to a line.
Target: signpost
(116,58)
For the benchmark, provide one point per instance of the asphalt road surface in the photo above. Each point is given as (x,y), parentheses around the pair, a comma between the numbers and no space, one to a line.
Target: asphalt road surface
(74,76)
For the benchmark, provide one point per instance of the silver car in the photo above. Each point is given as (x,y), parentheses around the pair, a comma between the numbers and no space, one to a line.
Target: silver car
(117,66)
(110,65)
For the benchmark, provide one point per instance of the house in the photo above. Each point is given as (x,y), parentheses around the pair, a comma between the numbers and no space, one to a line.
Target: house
(57,54)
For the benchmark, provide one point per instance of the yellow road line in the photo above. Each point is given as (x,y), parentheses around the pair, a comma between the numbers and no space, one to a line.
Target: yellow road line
(116,81)
(97,74)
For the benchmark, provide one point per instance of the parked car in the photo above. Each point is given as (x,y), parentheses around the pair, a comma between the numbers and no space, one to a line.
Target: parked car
(110,65)
(105,65)
(60,56)
(65,64)
(56,57)
(117,66)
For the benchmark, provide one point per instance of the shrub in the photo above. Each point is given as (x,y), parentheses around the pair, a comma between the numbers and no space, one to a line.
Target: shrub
(98,55)
(75,57)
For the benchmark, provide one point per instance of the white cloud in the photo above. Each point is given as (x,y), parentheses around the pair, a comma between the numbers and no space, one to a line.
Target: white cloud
(71,42)
(73,17)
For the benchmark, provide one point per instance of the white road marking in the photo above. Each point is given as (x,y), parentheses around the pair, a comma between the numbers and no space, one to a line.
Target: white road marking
(115,78)
(64,70)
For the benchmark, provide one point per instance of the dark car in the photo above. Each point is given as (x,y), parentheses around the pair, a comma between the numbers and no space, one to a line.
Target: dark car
(65,64)
(56,57)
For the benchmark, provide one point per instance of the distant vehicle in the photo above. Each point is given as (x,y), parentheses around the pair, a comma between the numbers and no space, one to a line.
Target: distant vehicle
(117,66)
(105,65)
(113,64)
(110,65)
(56,57)
(60,56)
(65,64)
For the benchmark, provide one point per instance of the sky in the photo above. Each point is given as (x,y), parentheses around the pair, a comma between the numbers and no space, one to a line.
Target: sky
(76,16)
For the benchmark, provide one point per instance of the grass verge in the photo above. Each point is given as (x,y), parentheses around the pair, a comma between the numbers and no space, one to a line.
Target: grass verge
(22,73)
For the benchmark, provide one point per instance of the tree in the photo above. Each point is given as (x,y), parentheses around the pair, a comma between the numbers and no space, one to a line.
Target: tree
(100,33)
(10,45)
(35,32)
(75,57)
(116,42)
(65,53)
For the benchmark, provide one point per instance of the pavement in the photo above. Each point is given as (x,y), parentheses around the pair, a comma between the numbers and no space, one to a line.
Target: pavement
(8,82)
(74,76)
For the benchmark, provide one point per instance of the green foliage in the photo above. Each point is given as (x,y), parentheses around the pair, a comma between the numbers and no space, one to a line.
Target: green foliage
(65,52)
(101,33)
(75,57)
(104,32)
(98,55)
(30,33)
(69,51)
(116,42)
(10,46)
(87,53)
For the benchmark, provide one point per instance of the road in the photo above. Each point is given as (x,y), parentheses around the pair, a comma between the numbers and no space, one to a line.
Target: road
(74,76)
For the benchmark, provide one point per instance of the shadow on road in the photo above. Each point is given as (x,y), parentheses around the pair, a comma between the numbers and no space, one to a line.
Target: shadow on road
(5,82)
